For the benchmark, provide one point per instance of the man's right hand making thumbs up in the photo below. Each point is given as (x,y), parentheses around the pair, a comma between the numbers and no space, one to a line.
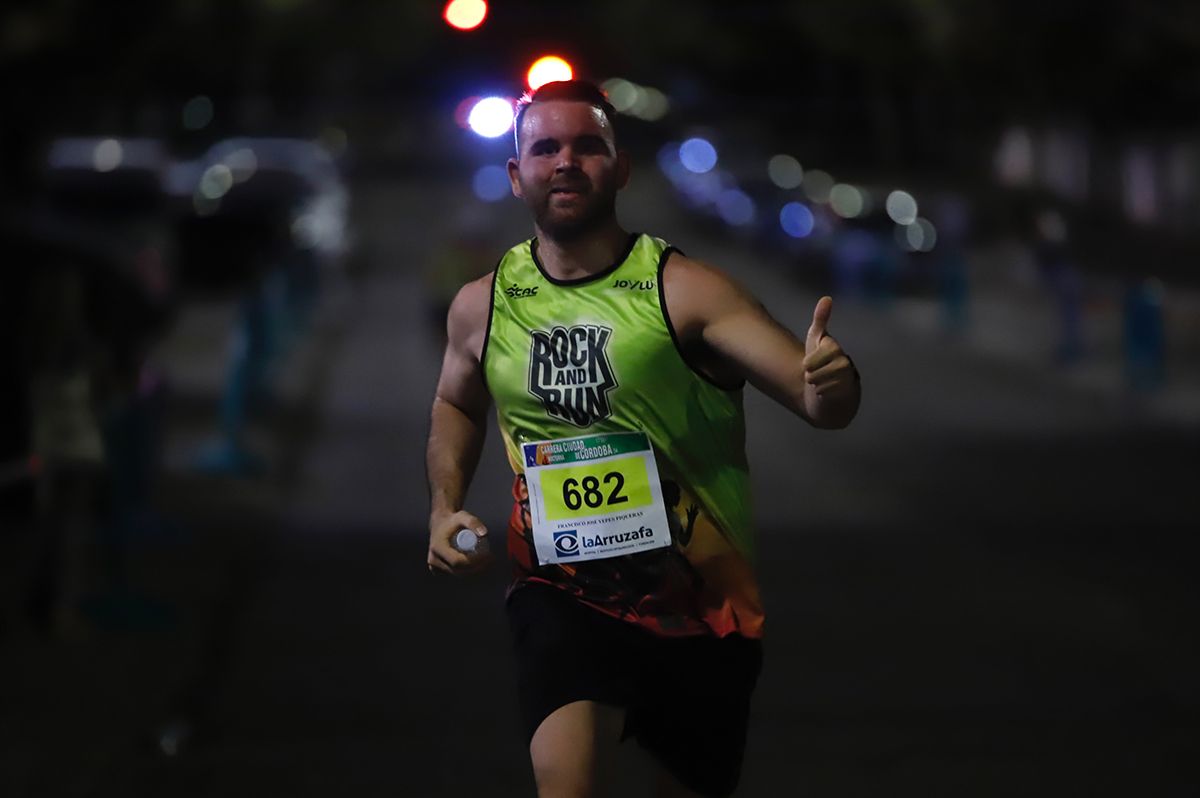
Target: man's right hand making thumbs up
(732,337)
(829,376)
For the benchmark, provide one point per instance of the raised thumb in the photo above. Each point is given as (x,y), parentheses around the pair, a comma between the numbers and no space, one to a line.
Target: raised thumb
(820,321)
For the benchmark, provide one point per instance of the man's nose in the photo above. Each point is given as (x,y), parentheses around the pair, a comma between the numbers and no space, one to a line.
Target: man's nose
(566,160)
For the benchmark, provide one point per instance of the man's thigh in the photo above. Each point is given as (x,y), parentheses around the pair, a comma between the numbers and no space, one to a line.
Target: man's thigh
(573,749)
(568,653)
(694,724)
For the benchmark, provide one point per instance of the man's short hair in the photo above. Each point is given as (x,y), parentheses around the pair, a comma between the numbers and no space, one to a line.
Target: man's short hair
(583,91)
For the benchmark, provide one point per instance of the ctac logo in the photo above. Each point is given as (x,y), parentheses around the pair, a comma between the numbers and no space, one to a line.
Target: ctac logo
(566,543)
(569,371)
(517,292)
(634,285)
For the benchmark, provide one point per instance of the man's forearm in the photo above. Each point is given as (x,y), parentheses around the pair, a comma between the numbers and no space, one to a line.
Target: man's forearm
(455,443)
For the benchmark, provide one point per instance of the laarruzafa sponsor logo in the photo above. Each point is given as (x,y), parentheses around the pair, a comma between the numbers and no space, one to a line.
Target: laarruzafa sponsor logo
(569,371)
(566,543)
(617,538)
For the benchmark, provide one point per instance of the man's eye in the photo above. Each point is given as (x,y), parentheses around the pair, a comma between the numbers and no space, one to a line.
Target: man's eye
(592,147)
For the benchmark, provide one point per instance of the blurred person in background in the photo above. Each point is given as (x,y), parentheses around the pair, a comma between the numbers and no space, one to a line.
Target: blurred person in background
(92,407)
(1061,274)
(954,283)
(594,342)
(1144,334)
(67,441)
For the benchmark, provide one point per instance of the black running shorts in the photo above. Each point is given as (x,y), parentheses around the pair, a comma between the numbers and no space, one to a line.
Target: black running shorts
(687,699)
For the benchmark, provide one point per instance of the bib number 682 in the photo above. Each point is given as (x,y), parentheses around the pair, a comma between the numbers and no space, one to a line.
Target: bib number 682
(591,494)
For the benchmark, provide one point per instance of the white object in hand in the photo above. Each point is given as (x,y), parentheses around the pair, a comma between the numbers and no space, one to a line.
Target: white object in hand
(466,541)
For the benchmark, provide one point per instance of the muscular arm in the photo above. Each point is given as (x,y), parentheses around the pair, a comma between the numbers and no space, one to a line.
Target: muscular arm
(738,338)
(458,423)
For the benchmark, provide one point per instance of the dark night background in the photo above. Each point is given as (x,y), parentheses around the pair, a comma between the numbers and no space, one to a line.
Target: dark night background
(229,231)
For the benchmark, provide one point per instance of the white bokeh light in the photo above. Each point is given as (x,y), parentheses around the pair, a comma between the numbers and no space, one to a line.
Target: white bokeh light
(785,171)
(491,117)
(817,185)
(901,207)
(107,155)
(216,181)
(846,201)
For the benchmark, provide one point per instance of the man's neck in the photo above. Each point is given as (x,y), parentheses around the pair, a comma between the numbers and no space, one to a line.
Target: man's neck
(581,257)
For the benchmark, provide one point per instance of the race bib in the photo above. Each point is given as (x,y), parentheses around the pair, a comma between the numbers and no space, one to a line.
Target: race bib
(594,496)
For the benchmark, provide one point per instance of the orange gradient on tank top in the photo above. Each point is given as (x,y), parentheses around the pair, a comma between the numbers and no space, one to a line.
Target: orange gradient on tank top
(547,70)
(465,14)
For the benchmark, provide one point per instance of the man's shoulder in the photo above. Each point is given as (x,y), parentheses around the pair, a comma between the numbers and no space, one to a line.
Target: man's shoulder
(692,276)
(698,293)
(470,306)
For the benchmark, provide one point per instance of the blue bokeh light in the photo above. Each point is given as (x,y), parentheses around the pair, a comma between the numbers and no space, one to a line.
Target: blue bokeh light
(796,220)
(735,207)
(698,155)
(490,183)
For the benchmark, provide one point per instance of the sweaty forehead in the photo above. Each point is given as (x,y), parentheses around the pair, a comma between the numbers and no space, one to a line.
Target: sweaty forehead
(563,119)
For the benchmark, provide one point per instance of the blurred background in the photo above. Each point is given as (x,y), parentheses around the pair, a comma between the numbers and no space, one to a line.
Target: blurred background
(230,231)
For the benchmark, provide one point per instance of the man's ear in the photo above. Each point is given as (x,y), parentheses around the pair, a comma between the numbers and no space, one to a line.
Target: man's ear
(624,168)
(514,167)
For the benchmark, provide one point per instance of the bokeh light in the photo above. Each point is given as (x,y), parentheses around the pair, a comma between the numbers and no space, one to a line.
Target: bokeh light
(335,140)
(623,94)
(491,117)
(1014,158)
(702,190)
(465,14)
(785,171)
(735,207)
(107,155)
(651,105)
(243,163)
(216,181)
(698,155)
(490,183)
(846,201)
(901,207)
(643,102)
(669,163)
(796,219)
(462,111)
(817,185)
(1139,178)
(919,236)
(197,113)
(548,69)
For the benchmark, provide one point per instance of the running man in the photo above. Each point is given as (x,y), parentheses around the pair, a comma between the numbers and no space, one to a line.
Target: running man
(616,365)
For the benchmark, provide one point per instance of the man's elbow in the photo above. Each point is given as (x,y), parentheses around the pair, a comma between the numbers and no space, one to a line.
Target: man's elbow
(835,417)
(838,423)
(475,412)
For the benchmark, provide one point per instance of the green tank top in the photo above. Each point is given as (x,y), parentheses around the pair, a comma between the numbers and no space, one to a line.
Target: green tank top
(564,358)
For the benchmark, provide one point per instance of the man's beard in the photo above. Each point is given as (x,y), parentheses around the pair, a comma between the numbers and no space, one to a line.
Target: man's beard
(600,206)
